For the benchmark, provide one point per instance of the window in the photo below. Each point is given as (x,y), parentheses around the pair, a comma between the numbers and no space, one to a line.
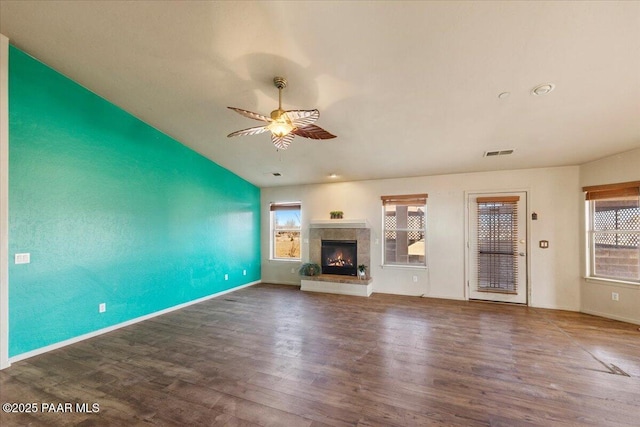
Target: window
(613,231)
(285,231)
(405,229)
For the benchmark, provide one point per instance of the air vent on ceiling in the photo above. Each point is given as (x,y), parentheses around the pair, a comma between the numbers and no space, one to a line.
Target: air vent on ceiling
(497,153)
(276,174)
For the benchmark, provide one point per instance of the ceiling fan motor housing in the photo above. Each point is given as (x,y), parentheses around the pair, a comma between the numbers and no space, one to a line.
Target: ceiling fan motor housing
(276,114)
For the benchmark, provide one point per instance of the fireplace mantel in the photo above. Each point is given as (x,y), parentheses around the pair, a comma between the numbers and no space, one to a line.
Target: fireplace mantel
(339,223)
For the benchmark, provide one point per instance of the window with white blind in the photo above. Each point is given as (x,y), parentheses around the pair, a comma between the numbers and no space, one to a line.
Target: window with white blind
(285,231)
(405,229)
(613,231)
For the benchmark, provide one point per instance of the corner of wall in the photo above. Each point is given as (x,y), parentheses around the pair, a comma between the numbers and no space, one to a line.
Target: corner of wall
(4,200)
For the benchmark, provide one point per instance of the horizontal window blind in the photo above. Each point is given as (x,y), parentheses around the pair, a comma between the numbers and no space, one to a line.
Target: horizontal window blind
(409,199)
(285,207)
(497,244)
(504,199)
(610,191)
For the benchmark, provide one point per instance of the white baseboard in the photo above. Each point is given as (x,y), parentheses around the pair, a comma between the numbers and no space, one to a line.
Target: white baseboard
(79,338)
(449,297)
(555,307)
(611,316)
(281,282)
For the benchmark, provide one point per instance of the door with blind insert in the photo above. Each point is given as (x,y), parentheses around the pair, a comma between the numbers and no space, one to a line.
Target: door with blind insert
(497,247)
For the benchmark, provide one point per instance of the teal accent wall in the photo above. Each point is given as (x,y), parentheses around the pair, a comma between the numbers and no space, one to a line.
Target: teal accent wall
(112,211)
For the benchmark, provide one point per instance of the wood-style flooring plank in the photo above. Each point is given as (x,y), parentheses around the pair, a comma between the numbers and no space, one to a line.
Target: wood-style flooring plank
(272,355)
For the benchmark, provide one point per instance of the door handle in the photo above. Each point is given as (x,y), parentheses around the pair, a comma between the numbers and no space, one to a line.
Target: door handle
(522,254)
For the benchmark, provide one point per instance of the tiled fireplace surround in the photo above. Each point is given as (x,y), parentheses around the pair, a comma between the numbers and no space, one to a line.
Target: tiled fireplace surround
(339,230)
(361,235)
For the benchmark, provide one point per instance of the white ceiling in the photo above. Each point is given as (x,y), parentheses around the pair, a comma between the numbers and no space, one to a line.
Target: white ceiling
(410,88)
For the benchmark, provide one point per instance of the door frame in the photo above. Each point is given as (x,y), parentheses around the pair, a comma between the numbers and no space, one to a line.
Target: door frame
(467,246)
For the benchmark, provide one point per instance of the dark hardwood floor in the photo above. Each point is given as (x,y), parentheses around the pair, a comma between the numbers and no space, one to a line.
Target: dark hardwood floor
(275,356)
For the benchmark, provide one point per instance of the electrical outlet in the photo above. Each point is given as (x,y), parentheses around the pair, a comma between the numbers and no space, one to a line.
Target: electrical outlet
(615,296)
(415,279)
(102,307)
(23,258)
(293,271)
(244,272)
(226,277)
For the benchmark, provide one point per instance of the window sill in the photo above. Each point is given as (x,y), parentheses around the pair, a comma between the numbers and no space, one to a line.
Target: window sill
(405,267)
(613,282)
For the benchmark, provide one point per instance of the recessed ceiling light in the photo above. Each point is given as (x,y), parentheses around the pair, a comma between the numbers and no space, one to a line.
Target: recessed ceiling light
(333,175)
(504,95)
(542,89)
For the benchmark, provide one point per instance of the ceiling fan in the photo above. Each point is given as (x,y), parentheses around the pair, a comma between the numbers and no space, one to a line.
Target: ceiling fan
(284,125)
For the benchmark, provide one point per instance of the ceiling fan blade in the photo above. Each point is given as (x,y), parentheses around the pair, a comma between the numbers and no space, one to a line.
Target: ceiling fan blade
(313,132)
(282,143)
(250,131)
(302,118)
(250,114)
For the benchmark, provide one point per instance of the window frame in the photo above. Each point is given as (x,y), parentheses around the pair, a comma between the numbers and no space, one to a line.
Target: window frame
(274,207)
(606,192)
(412,200)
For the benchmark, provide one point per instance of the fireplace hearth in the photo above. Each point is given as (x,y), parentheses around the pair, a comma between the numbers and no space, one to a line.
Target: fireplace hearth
(339,257)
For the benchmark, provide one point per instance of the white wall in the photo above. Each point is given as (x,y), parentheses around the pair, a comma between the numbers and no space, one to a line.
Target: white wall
(554,193)
(596,294)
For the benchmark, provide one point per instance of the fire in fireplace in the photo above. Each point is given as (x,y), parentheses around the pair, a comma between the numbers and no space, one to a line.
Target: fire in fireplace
(339,257)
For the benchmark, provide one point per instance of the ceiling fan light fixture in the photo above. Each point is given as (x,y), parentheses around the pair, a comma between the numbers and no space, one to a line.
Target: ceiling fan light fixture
(284,125)
(281,125)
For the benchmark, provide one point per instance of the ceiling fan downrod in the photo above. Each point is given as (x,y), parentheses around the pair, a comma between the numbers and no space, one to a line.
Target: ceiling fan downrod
(280,83)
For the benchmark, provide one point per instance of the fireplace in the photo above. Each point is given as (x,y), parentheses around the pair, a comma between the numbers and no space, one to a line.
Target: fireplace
(339,257)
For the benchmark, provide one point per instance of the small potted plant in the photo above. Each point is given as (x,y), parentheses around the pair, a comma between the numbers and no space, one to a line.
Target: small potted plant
(362,271)
(336,214)
(310,269)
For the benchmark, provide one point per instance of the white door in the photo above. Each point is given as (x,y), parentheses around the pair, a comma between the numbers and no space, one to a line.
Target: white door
(497,247)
